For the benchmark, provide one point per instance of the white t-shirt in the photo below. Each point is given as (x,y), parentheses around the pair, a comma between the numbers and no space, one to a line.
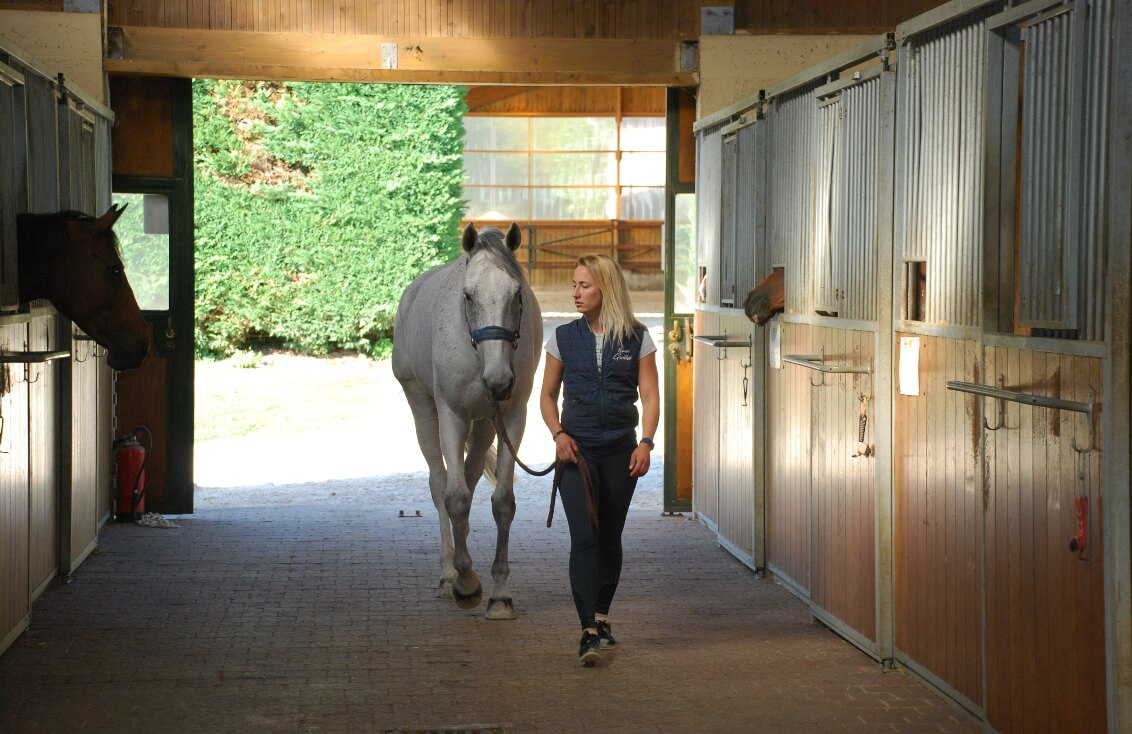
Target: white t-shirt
(648,346)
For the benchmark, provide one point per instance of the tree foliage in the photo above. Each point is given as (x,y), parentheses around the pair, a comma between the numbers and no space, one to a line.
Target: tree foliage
(316,204)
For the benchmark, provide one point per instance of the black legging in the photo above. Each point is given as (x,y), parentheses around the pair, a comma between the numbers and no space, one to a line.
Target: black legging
(595,563)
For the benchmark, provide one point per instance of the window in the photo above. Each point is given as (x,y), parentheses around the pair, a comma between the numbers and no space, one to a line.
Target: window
(564,168)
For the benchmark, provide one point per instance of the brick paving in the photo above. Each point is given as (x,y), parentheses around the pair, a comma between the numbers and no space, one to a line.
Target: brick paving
(315,612)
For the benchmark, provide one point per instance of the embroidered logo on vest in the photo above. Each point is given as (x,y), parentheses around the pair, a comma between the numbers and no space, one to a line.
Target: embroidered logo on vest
(622,355)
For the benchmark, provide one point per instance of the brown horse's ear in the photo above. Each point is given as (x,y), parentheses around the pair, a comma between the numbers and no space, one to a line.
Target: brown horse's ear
(514,236)
(106,222)
(469,239)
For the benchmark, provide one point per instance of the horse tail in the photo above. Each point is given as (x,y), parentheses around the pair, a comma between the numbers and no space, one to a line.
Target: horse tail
(491,460)
(491,463)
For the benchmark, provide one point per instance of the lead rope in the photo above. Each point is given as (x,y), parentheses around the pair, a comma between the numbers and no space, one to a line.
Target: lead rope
(558,467)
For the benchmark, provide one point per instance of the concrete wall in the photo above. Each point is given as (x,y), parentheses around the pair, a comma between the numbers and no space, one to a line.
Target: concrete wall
(735,67)
(70,43)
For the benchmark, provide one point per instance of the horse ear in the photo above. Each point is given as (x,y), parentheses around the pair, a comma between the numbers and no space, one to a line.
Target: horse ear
(107,220)
(514,236)
(469,239)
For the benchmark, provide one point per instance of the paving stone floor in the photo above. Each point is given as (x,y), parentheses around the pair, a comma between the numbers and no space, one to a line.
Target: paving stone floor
(317,614)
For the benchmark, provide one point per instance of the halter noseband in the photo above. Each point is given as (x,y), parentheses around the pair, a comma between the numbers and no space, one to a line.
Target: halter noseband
(488,333)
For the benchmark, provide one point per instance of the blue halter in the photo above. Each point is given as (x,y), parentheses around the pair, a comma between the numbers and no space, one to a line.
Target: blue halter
(488,333)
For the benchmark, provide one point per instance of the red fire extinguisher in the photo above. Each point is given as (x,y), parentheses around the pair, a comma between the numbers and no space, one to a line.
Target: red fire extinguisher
(130,458)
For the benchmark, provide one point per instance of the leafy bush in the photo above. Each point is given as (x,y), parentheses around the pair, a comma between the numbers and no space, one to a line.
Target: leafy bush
(316,204)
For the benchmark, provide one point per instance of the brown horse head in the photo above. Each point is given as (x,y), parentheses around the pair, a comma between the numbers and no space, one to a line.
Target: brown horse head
(72,260)
(767,298)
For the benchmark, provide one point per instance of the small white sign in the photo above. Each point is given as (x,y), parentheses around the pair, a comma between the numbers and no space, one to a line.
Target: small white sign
(909,377)
(388,56)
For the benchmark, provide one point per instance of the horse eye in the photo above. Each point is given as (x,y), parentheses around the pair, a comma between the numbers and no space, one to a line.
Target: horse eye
(115,270)
(468,297)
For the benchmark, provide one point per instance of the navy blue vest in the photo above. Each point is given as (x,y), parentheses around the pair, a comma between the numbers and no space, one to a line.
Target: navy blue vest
(598,407)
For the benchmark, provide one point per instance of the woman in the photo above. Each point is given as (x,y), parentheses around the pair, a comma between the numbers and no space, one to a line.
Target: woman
(603,360)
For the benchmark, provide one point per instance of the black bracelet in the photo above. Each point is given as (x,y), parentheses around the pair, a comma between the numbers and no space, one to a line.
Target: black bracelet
(554,436)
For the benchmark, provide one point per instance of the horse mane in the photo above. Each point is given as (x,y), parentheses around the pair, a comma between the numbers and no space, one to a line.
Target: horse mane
(492,243)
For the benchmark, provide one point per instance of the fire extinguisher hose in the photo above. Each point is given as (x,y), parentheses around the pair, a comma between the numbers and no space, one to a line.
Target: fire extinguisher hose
(136,495)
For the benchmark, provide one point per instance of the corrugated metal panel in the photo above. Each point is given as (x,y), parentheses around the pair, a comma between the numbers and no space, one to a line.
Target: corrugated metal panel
(1098,79)
(13,163)
(43,145)
(1047,267)
(709,159)
(746,211)
(729,208)
(854,250)
(827,162)
(791,148)
(943,80)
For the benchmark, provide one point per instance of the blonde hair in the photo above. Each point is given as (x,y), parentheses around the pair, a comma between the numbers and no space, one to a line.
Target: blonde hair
(617,319)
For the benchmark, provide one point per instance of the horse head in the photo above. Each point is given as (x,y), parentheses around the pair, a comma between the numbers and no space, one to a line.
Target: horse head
(72,260)
(767,298)
(493,304)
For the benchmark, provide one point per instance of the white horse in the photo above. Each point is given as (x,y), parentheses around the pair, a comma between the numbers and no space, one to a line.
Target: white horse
(468,335)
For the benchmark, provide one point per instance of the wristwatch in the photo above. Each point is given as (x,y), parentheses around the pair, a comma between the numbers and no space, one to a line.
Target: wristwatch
(648,442)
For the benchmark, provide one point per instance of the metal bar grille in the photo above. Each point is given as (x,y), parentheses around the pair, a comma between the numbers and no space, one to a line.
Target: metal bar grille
(943,83)
(793,126)
(709,159)
(745,213)
(43,152)
(729,208)
(1047,273)
(855,203)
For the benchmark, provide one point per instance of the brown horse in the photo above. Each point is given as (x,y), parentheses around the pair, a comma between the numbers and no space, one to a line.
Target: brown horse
(767,298)
(72,260)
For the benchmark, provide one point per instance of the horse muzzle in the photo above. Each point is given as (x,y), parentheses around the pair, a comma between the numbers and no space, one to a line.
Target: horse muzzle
(127,355)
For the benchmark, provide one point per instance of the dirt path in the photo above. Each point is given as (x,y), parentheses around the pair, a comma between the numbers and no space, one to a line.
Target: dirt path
(294,423)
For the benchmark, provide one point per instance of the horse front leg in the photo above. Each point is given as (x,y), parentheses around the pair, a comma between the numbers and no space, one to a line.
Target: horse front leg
(466,589)
(428,438)
(500,604)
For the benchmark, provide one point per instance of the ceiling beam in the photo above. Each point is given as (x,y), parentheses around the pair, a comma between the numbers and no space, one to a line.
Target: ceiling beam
(334,57)
(479,97)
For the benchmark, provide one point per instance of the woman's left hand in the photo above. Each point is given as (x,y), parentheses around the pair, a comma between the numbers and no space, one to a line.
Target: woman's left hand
(639,461)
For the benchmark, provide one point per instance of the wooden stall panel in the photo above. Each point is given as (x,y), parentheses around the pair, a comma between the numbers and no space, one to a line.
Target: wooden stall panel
(937,514)
(1045,603)
(788,463)
(15,601)
(44,447)
(84,490)
(736,443)
(843,493)
(705,433)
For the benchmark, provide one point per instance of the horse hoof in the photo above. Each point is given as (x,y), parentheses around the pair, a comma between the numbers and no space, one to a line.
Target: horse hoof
(503,608)
(468,601)
(444,590)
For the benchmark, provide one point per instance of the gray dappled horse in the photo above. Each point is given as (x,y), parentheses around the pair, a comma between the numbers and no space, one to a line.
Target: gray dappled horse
(467,335)
(72,260)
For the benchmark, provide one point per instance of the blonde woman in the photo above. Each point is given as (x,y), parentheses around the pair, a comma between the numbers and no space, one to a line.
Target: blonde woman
(603,361)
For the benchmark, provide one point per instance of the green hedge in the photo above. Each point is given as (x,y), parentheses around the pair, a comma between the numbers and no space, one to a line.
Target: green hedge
(316,204)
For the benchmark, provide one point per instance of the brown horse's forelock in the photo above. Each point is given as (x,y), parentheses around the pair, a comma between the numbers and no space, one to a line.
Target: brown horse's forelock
(492,243)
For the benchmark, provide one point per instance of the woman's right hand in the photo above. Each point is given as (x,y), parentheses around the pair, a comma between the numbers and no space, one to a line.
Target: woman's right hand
(565,449)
